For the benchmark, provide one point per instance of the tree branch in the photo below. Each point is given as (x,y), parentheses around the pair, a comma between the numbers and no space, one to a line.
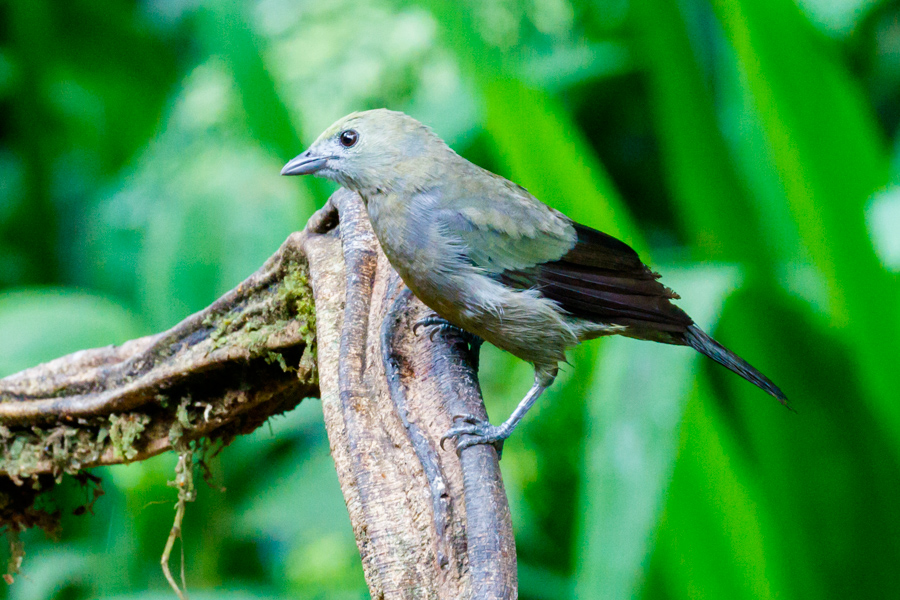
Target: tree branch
(428,523)
(220,372)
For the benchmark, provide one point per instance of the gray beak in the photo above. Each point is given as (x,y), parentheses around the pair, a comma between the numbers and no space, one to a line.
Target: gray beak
(304,164)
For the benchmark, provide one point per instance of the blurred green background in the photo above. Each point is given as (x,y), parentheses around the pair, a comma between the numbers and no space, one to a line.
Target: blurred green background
(748,149)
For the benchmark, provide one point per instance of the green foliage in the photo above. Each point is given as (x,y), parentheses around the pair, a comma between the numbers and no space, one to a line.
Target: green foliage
(40,324)
(743,146)
(635,408)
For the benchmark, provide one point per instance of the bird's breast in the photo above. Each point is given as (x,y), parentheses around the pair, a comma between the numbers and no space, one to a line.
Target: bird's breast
(430,263)
(434,267)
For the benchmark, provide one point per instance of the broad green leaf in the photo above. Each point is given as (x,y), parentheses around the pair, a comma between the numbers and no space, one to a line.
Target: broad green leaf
(49,573)
(308,506)
(827,477)
(541,148)
(537,142)
(838,19)
(7,74)
(712,536)
(714,210)
(541,584)
(229,33)
(37,325)
(567,65)
(822,146)
(637,400)
(883,218)
(819,137)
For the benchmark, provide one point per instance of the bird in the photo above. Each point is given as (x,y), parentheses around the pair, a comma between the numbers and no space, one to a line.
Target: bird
(494,261)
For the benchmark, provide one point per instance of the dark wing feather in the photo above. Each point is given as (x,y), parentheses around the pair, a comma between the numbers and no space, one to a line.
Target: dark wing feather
(528,245)
(602,279)
(604,252)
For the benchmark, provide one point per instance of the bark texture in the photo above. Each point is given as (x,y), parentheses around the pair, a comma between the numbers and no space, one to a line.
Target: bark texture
(325,316)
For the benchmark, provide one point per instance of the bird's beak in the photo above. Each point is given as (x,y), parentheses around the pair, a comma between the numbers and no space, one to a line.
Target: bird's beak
(304,164)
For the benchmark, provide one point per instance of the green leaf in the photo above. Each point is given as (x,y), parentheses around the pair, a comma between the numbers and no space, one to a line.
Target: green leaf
(552,159)
(821,146)
(711,538)
(535,139)
(229,32)
(51,572)
(714,209)
(883,218)
(567,65)
(7,74)
(829,480)
(640,392)
(37,325)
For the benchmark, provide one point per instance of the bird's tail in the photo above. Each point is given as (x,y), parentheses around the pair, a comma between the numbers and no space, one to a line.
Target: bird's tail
(697,339)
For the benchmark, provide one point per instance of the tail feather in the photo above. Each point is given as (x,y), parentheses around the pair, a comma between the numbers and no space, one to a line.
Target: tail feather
(697,339)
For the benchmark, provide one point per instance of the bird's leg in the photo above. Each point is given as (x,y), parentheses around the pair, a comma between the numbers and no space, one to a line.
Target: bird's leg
(482,432)
(440,325)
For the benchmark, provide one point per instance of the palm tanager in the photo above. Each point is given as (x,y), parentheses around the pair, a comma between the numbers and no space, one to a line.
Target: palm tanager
(494,261)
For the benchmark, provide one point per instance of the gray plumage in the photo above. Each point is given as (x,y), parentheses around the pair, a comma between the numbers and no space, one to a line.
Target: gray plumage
(490,258)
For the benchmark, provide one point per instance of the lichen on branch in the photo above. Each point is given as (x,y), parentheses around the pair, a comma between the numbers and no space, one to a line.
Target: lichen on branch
(217,374)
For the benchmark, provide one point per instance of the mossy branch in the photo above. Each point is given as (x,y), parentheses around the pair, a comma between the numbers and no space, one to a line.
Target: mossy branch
(219,373)
(428,522)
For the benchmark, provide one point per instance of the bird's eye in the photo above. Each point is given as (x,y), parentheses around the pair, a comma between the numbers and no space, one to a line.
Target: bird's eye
(349,138)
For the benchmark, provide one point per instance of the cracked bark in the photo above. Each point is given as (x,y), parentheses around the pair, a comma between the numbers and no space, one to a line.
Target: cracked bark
(428,523)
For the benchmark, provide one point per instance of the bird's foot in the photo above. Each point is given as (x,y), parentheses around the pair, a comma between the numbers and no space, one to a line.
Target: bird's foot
(437,324)
(478,431)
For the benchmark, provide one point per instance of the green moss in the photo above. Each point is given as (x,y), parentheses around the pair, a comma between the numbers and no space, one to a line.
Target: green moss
(181,423)
(22,452)
(296,294)
(276,357)
(124,431)
(219,335)
(181,415)
(291,302)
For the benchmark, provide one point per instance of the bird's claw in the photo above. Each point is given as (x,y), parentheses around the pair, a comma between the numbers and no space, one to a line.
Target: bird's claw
(433,323)
(477,431)
(439,325)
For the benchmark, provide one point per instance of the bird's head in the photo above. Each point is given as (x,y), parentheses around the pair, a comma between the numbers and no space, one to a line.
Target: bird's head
(373,150)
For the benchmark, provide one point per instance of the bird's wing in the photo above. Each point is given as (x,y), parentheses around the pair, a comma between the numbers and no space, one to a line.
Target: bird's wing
(602,279)
(590,274)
